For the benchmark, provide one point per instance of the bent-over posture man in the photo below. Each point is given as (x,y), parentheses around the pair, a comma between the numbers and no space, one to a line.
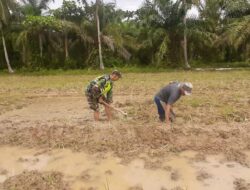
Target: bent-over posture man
(167,96)
(100,90)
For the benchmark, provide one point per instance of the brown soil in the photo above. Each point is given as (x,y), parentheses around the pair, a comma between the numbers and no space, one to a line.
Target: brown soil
(136,188)
(175,175)
(203,176)
(128,142)
(125,137)
(241,184)
(208,123)
(36,180)
(177,188)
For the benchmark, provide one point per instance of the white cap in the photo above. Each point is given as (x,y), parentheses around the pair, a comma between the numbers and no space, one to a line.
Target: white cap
(187,87)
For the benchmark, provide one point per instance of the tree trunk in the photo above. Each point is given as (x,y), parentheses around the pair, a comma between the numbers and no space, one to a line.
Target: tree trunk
(24,54)
(66,49)
(6,55)
(247,53)
(185,36)
(99,35)
(41,45)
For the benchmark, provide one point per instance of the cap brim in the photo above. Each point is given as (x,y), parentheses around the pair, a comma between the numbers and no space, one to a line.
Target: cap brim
(187,93)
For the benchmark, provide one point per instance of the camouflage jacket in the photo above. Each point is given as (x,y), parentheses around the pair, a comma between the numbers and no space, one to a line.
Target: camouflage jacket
(101,86)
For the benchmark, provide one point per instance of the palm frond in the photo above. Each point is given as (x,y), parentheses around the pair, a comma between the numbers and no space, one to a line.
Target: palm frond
(113,45)
(22,38)
(44,4)
(109,42)
(124,53)
(163,49)
(236,33)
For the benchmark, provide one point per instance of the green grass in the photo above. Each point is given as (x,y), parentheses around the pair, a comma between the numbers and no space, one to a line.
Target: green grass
(44,72)
(216,95)
(130,69)
(202,64)
(204,81)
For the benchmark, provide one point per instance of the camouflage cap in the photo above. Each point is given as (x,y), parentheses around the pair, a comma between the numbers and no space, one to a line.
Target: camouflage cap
(117,73)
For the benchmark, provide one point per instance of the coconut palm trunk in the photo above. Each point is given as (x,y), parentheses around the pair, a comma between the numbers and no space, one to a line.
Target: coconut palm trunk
(99,35)
(6,54)
(24,54)
(66,44)
(185,36)
(41,45)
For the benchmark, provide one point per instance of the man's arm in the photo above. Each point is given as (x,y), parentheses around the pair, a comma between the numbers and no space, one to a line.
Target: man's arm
(167,109)
(107,108)
(110,96)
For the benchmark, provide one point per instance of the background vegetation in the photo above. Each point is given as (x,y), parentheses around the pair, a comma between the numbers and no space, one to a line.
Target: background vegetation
(159,34)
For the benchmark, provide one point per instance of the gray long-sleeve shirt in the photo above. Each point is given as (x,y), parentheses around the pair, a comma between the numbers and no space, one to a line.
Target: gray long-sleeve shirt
(170,93)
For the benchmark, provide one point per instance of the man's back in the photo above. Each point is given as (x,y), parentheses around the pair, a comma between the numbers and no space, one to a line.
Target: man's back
(170,93)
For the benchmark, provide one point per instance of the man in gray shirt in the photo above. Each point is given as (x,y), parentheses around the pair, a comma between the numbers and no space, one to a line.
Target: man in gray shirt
(167,96)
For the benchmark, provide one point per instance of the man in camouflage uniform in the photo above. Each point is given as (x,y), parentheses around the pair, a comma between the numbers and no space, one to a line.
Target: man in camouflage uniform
(100,90)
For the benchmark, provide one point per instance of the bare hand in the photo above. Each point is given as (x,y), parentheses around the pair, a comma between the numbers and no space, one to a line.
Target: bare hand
(100,100)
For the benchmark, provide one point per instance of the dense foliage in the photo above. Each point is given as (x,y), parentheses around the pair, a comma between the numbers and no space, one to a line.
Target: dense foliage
(35,37)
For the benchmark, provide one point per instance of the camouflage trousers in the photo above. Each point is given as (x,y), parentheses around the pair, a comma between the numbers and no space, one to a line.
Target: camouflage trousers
(92,101)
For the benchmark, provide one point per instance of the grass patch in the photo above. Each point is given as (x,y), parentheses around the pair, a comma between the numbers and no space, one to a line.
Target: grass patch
(216,95)
(130,69)
(45,72)
(227,112)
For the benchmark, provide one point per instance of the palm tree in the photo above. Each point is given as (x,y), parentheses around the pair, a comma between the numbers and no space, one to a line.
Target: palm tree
(34,8)
(71,17)
(99,34)
(236,36)
(185,34)
(222,31)
(237,32)
(22,42)
(167,16)
(5,6)
(54,32)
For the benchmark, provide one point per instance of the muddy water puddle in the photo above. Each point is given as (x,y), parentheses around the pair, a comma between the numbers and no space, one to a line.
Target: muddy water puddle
(84,171)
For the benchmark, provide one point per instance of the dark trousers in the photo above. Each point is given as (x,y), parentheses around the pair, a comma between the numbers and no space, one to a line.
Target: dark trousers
(160,109)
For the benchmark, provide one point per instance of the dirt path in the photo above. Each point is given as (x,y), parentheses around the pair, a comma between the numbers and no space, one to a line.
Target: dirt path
(48,111)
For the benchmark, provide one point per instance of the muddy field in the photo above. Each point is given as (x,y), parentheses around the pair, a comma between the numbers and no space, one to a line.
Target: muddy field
(48,139)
